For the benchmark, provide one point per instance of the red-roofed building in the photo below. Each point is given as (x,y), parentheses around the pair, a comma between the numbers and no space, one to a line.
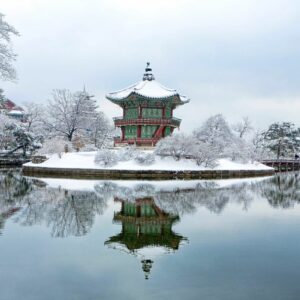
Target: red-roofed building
(9,108)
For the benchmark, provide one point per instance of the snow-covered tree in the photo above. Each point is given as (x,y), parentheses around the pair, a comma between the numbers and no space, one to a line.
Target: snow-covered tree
(204,155)
(223,142)
(184,146)
(243,128)
(144,159)
(7,55)
(34,116)
(70,113)
(282,139)
(216,133)
(178,146)
(22,139)
(55,145)
(127,153)
(6,137)
(239,150)
(106,158)
(100,131)
(258,144)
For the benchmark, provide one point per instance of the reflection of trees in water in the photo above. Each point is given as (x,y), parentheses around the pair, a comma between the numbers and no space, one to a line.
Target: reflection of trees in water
(282,190)
(75,215)
(184,200)
(65,212)
(73,212)
(147,214)
(12,190)
(13,187)
(5,215)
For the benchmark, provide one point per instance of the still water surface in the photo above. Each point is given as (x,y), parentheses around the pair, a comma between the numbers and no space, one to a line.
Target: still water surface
(72,239)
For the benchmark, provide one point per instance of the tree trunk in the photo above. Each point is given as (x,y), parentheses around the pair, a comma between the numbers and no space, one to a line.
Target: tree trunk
(278,149)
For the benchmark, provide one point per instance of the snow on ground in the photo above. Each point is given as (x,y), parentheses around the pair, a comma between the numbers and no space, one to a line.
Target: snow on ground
(85,160)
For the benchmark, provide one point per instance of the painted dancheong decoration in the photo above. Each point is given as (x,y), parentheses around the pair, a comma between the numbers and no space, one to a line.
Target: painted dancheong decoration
(147,111)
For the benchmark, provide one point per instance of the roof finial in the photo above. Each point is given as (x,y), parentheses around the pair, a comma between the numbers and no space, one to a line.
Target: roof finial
(148,73)
(146,266)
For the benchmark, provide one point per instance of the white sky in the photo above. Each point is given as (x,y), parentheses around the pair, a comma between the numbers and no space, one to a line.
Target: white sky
(238,58)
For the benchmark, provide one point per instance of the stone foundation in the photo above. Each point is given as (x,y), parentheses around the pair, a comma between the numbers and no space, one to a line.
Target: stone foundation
(140,174)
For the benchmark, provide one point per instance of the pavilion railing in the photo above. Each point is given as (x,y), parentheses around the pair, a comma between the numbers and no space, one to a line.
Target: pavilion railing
(119,121)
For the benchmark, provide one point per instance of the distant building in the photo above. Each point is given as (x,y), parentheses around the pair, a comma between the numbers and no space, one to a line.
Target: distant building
(147,111)
(9,108)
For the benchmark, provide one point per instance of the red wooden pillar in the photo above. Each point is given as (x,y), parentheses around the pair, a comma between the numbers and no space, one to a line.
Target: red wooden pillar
(123,133)
(164,132)
(139,132)
(138,211)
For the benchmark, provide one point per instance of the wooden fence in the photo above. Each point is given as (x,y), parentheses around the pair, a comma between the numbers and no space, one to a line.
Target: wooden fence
(283,165)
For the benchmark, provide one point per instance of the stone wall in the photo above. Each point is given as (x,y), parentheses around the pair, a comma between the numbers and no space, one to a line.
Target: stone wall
(13,162)
(141,174)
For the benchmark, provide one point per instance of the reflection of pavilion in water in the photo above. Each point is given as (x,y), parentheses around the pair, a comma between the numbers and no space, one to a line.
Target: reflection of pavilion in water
(145,225)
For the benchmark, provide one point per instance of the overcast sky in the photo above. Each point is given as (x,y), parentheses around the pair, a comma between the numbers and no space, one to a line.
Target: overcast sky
(235,57)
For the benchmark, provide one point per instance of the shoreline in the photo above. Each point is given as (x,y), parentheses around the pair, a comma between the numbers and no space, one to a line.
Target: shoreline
(80,173)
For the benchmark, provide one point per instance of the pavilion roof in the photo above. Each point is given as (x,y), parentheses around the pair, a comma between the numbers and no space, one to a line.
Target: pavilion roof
(148,88)
(10,105)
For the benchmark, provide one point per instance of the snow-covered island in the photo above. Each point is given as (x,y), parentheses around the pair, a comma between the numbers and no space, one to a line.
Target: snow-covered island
(145,164)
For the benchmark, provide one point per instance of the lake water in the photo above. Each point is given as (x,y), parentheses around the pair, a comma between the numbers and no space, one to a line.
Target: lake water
(225,239)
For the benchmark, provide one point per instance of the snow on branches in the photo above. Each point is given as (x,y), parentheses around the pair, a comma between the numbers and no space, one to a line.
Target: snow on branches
(216,133)
(100,131)
(69,113)
(55,145)
(7,56)
(144,159)
(109,157)
(282,139)
(180,146)
(73,115)
(21,139)
(127,153)
(213,140)
(106,158)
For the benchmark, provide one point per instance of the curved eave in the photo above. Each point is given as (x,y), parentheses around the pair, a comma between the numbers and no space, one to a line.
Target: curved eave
(131,242)
(184,101)
(120,101)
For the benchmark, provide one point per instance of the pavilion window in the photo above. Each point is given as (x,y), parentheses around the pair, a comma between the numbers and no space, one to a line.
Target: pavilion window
(131,113)
(155,113)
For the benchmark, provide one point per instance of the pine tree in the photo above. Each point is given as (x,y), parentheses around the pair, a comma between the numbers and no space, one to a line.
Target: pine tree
(282,139)
(20,138)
